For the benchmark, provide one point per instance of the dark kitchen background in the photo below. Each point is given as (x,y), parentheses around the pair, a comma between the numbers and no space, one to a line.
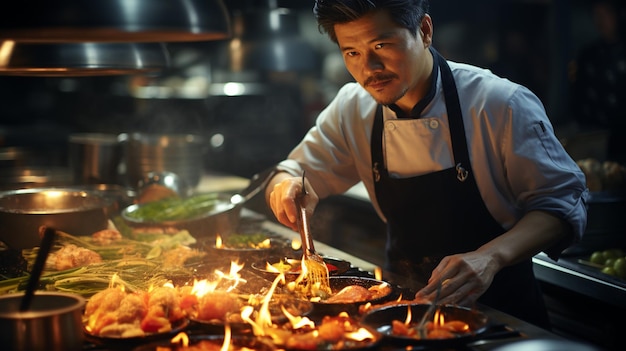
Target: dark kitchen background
(253,109)
(530,42)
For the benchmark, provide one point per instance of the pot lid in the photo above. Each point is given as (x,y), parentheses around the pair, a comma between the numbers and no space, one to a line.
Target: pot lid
(115,21)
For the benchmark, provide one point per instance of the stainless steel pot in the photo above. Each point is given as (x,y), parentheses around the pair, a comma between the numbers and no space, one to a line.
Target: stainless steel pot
(95,158)
(181,154)
(54,322)
(71,210)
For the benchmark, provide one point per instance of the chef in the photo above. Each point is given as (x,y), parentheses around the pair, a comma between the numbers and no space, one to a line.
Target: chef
(462,165)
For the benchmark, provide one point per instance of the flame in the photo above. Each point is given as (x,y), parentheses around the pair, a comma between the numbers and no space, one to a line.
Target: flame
(233,275)
(409,315)
(264,317)
(297,322)
(218,242)
(181,338)
(114,281)
(360,335)
(205,286)
(296,244)
(378,273)
(283,266)
(270,268)
(267,243)
(227,334)
(438,320)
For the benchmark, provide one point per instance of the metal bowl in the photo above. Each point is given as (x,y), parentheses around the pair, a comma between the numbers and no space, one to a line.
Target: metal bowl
(53,322)
(222,219)
(74,211)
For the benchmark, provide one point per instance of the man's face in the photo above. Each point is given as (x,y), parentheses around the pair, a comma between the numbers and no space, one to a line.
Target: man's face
(391,63)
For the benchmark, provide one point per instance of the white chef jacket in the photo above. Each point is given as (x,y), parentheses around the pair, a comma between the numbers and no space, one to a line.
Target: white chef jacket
(518,163)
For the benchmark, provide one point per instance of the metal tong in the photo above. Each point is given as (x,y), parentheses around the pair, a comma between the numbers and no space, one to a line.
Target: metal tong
(317,271)
(421,327)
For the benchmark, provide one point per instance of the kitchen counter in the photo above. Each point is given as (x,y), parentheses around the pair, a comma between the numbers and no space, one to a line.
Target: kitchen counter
(510,329)
(588,281)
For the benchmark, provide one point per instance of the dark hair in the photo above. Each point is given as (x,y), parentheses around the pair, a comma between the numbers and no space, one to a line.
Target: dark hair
(406,13)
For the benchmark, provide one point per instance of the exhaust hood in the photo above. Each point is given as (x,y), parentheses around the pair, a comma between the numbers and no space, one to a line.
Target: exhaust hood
(114,21)
(81,59)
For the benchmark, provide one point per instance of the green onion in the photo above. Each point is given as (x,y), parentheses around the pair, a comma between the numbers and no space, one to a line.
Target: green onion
(172,209)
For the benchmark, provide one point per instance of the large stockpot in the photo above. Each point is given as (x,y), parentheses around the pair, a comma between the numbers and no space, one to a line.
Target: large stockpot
(181,154)
(53,322)
(75,211)
(95,158)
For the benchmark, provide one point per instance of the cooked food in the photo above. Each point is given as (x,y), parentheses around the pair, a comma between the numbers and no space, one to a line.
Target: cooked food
(334,332)
(352,293)
(72,256)
(114,313)
(357,293)
(217,305)
(180,255)
(106,236)
(292,266)
(244,241)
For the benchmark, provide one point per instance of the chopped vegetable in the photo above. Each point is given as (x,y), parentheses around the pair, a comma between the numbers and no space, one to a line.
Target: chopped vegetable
(247,241)
(172,209)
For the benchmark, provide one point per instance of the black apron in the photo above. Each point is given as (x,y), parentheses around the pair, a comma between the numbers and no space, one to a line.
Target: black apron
(442,213)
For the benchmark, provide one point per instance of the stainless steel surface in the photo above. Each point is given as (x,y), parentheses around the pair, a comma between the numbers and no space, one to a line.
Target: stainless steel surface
(81,59)
(95,158)
(115,21)
(574,277)
(223,219)
(33,177)
(74,211)
(316,269)
(168,180)
(119,196)
(54,322)
(267,40)
(182,154)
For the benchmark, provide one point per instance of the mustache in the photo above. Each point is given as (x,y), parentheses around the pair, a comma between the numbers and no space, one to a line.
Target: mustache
(379,78)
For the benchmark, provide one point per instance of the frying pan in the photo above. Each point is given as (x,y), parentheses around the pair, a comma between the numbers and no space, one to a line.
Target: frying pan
(381,319)
(337,283)
(222,219)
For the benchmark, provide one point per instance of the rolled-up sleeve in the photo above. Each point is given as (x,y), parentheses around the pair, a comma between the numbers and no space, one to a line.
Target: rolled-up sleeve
(541,174)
